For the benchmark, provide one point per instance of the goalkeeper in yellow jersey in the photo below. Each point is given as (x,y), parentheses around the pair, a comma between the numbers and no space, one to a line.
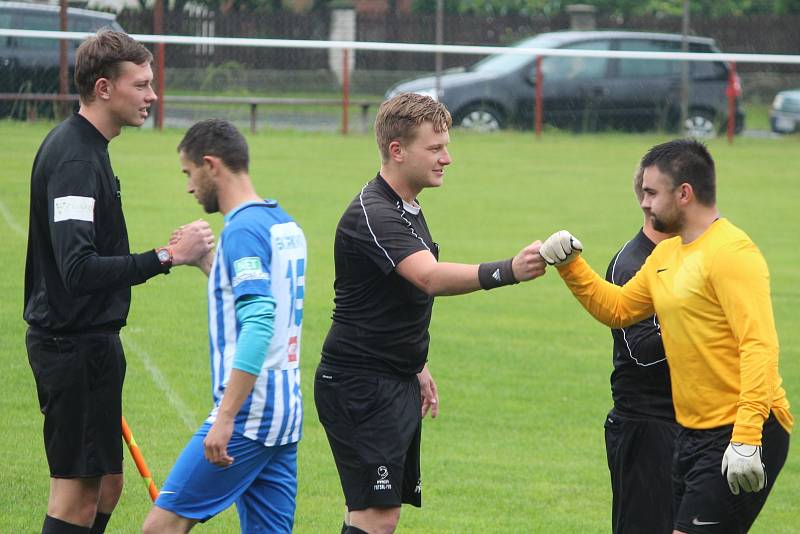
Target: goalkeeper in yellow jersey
(709,286)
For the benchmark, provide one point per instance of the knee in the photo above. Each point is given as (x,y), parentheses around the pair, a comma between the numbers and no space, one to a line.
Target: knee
(112,485)
(390,521)
(110,492)
(84,512)
(160,521)
(151,524)
(387,525)
(74,500)
(377,520)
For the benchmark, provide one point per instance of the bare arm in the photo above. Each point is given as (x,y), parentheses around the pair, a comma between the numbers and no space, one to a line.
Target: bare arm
(434,278)
(239,387)
(255,315)
(443,278)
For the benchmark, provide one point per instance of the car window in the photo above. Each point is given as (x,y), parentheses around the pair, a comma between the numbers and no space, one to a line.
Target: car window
(39,21)
(713,70)
(510,62)
(81,24)
(787,102)
(50,22)
(5,22)
(87,24)
(577,68)
(648,68)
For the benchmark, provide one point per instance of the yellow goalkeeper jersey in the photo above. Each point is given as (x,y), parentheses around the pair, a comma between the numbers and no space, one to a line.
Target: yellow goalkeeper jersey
(712,298)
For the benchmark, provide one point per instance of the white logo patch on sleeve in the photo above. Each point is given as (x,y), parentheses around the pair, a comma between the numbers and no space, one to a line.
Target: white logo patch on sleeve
(73,208)
(249,268)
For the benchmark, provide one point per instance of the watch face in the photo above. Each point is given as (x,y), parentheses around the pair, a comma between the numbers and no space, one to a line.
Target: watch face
(163,255)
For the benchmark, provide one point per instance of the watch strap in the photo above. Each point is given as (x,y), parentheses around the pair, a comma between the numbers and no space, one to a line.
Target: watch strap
(165,257)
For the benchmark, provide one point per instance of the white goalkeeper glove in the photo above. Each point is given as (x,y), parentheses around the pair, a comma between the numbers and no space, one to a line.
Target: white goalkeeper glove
(560,248)
(744,467)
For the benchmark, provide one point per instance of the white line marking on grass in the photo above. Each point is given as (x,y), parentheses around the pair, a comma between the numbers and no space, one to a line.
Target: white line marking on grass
(173,398)
(9,218)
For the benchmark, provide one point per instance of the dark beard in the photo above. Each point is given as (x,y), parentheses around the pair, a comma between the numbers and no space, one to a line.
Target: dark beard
(673,226)
(210,200)
(211,205)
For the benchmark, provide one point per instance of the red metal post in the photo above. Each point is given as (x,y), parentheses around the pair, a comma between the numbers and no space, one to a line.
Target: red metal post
(732,92)
(345,89)
(538,110)
(158,29)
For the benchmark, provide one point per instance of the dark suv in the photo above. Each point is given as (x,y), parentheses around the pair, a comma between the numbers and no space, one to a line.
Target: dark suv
(30,65)
(588,93)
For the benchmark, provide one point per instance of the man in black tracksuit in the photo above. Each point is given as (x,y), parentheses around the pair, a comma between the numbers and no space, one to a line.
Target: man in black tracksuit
(78,275)
(640,429)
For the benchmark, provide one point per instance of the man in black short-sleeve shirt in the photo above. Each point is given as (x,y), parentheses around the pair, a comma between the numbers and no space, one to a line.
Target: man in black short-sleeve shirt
(375,234)
(373,386)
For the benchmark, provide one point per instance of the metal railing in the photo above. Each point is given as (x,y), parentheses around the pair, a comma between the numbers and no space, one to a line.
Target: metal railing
(252,102)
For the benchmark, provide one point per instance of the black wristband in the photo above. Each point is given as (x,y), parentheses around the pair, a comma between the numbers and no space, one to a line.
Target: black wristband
(496,273)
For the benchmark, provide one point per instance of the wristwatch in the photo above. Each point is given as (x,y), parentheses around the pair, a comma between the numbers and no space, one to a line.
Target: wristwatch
(164,256)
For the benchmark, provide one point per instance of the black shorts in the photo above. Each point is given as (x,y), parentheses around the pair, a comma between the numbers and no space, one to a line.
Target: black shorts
(79,382)
(639,452)
(374,427)
(701,495)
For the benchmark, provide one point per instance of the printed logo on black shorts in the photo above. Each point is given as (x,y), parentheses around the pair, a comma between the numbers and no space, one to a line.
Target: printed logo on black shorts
(382,484)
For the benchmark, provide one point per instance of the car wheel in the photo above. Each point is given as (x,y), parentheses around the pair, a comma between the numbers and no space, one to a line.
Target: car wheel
(481,119)
(700,124)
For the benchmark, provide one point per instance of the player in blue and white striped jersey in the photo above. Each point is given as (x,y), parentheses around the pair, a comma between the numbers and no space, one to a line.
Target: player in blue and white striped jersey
(246,451)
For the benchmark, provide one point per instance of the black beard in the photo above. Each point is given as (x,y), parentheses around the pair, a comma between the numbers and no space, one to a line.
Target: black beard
(671,227)
(211,205)
(658,226)
(211,200)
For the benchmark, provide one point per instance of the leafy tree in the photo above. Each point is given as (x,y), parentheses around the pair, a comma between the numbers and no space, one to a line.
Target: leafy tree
(787,7)
(624,8)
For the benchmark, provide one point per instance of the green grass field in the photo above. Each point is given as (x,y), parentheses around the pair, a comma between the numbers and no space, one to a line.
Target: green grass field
(522,371)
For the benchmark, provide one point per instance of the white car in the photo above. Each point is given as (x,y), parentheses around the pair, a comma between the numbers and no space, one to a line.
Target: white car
(785,114)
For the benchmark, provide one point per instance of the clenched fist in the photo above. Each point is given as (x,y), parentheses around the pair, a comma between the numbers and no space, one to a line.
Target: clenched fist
(560,248)
(191,243)
(528,263)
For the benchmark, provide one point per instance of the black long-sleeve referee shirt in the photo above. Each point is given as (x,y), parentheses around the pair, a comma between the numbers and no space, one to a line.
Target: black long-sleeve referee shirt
(640,383)
(79,269)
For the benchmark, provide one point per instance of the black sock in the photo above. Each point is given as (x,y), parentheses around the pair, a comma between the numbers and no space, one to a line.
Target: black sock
(56,526)
(100,522)
(354,530)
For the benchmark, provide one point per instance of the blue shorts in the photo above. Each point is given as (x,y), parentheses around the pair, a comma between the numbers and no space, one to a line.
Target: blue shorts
(262,481)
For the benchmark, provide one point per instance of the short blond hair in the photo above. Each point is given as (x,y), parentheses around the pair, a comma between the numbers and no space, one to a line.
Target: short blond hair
(400,117)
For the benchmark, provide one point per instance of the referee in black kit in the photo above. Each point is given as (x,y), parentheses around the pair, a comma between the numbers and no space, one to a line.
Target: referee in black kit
(640,430)
(373,385)
(78,275)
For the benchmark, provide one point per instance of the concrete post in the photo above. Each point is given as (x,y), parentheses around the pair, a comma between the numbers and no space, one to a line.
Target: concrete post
(343,28)
(582,17)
